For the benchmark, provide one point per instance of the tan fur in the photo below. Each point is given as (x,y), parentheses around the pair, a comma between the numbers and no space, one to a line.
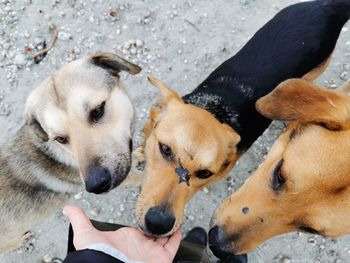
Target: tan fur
(37,173)
(316,168)
(197,138)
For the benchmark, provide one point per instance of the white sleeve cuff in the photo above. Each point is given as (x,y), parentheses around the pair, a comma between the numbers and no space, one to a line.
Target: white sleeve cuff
(109,250)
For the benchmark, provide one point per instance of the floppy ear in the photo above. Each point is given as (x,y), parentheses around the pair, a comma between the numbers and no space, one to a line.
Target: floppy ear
(303,101)
(233,135)
(40,96)
(113,63)
(37,128)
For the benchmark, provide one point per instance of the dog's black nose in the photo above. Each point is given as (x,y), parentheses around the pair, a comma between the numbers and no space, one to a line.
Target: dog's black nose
(98,180)
(159,220)
(221,247)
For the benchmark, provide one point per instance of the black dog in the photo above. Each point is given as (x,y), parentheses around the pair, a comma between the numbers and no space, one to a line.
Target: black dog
(298,40)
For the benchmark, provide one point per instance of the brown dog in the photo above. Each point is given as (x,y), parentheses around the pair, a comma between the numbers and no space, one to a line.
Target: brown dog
(195,140)
(304,184)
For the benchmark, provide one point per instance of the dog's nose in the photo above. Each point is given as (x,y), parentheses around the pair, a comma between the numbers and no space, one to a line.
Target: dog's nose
(98,180)
(159,220)
(220,246)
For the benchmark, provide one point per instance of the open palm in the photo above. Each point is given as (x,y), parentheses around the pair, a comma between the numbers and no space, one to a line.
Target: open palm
(130,241)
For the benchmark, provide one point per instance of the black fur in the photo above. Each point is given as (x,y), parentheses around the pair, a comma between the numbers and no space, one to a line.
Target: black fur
(297,40)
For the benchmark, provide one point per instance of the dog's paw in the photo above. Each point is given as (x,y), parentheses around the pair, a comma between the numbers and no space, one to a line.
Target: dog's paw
(23,240)
(138,160)
(138,155)
(135,176)
(16,243)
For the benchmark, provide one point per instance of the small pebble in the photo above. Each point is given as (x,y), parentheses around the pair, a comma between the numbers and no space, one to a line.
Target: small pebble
(19,60)
(47,259)
(133,51)
(95,212)
(346,66)
(78,196)
(312,240)
(344,76)
(139,43)
(285,259)
(30,247)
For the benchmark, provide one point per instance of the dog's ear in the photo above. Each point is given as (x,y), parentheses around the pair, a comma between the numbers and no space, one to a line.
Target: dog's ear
(167,94)
(40,96)
(233,136)
(37,128)
(303,101)
(113,63)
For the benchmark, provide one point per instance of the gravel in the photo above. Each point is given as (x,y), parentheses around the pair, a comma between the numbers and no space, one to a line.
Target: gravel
(180,42)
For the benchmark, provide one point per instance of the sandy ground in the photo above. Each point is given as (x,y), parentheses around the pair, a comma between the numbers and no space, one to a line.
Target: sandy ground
(182,42)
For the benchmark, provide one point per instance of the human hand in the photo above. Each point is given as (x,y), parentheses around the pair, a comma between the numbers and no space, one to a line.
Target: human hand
(130,241)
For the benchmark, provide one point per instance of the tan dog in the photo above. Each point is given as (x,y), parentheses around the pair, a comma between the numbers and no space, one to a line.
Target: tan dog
(78,128)
(195,140)
(173,136)
(304,183)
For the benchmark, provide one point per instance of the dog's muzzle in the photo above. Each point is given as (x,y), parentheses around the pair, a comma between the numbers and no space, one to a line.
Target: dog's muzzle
(221,247)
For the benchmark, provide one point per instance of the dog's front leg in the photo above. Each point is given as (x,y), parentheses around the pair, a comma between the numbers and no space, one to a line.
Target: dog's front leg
(135,176)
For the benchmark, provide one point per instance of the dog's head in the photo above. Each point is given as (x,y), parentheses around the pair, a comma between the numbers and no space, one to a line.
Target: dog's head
(304,183)
(186,148)
(84,118)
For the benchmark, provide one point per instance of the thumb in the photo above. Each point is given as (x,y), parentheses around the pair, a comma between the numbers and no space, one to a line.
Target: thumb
(79,220)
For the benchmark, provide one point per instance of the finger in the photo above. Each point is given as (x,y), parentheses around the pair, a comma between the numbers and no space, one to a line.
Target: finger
(162,240)
(173,243)
(79,220)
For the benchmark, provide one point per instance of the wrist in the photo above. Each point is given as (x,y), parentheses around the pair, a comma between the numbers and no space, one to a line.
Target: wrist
(112,251)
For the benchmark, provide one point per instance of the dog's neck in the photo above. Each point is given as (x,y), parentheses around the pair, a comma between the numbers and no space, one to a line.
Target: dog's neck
(215,104)
(32,155)
(233,103)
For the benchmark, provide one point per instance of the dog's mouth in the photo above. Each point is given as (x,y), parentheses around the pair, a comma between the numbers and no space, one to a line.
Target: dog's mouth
(120,176)
(145,232)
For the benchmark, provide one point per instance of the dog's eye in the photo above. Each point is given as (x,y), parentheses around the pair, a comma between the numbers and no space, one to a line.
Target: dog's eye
(203,174)
(166,151)
(278,178)
(97,114)
(61,140)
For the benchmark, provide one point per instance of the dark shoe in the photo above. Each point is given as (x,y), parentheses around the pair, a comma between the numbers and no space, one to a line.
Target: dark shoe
(234,259)
(198,236)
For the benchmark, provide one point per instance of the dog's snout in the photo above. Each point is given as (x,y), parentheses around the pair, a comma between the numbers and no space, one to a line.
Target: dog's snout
(98,180)
(220,245)
(159,220)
